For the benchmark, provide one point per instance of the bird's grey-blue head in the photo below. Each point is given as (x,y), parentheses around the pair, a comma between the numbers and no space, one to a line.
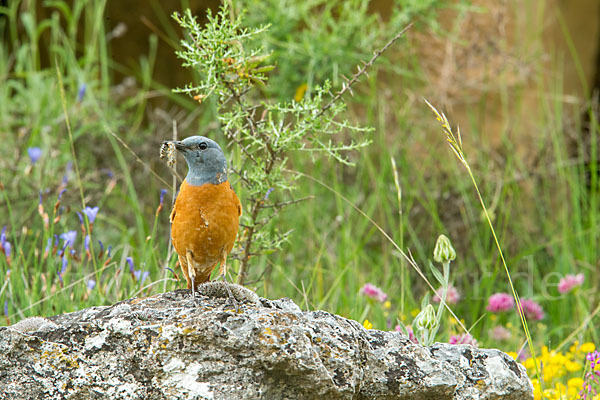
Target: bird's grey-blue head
(205,160)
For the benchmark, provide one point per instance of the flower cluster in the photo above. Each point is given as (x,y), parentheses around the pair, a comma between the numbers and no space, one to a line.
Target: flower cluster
(373,292)
(570,282)
(532,310)
(591,383)
(137,274)
(500,302)
(557,367)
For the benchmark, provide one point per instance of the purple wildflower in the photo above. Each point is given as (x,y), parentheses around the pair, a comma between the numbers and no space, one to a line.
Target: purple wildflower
(137,274)
(7,248)
(140,276)
(373,292)
(60,194)
(593,358)
(87,242)
(68,169)
(500,302)
(90,213)
(130,262)
(108,251)
(101,246)
(268,193)
(91,284)
(162,198)
(6,308)
(81,92)
(80,217)
(591,377)
(34,154)
(108,172)
(64,263)
(63,268)
(69,238)
(3,236)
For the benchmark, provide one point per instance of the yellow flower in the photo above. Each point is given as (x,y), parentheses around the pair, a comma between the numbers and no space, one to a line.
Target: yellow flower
(572,366)
(529,364)
(367,324)
(387,305)
(575,382)
(588,347)
(574,347)
(493,317)
(414,312)
(300,92)
(513,354)
(537,394)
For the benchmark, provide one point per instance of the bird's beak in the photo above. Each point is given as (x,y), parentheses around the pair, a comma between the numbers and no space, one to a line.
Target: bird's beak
(178,144)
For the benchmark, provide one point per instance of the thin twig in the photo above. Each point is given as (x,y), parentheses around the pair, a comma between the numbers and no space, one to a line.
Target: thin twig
(174,196)
(282,204)
(361,71)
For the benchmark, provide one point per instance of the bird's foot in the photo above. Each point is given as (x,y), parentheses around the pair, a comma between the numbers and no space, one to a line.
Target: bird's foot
(194,293)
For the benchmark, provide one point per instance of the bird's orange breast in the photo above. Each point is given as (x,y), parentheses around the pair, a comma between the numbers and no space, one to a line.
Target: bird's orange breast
(205,221)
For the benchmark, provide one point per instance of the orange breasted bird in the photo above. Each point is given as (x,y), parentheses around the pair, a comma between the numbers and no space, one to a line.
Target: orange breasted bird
(205,218)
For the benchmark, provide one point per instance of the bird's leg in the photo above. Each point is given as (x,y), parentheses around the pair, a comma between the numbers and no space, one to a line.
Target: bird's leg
(223,275)
(191,272)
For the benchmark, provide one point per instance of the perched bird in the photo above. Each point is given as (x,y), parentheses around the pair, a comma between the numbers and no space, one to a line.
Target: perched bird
(205,218)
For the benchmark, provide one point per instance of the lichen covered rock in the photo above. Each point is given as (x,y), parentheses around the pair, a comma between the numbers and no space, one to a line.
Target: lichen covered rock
(170,347)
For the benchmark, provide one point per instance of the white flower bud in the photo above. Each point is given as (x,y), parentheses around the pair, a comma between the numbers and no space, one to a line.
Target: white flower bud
(443,252)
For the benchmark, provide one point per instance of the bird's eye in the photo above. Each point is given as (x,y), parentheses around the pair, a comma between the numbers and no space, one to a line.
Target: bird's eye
(202,146)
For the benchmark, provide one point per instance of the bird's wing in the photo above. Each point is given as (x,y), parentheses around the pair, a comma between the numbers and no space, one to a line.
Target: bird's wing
(237,201)
(238,204)
(172,216)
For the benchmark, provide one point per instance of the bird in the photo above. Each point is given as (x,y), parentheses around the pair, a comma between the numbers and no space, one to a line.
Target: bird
(205,216)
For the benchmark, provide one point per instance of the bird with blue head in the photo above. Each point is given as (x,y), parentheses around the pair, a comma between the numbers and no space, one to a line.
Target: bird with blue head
(205,217)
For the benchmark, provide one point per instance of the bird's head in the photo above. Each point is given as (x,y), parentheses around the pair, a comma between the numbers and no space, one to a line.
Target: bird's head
(205,160)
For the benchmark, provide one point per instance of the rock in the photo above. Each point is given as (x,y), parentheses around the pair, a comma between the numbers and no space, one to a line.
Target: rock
(169,347)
